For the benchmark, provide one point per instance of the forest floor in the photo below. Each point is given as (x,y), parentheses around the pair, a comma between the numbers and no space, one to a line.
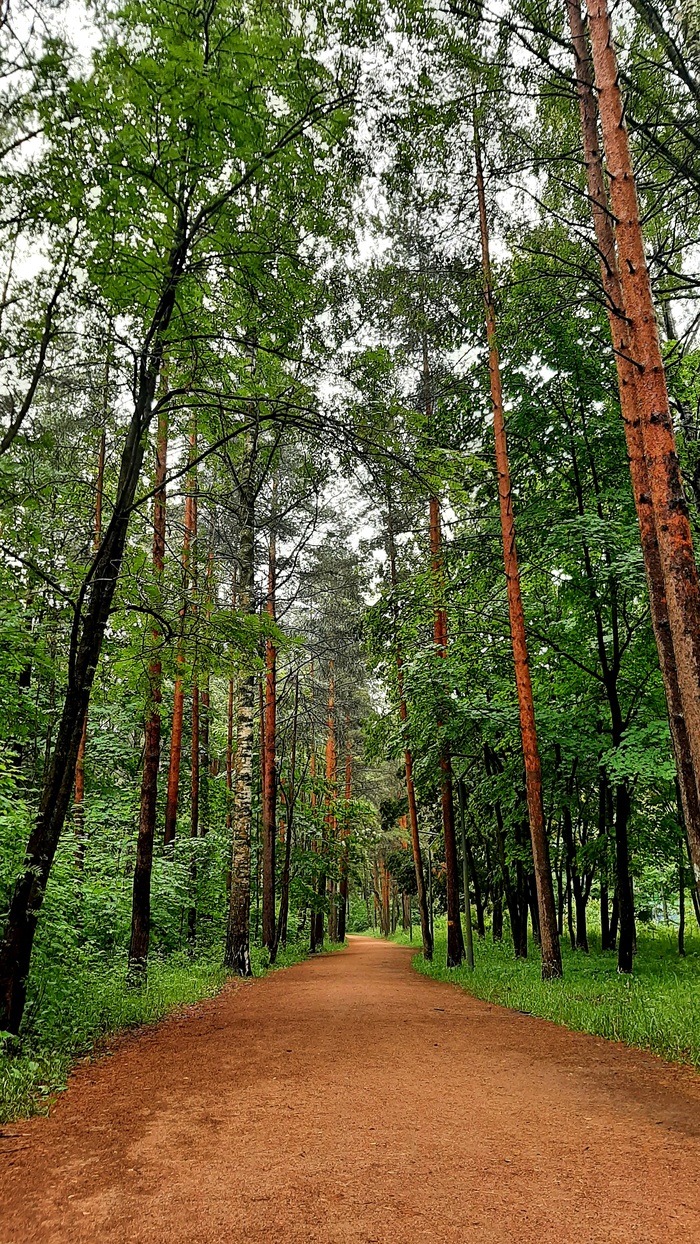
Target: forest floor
(350,1099)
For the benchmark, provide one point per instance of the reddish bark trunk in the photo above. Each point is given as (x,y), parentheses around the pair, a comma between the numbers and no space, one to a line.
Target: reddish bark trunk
(551,953)
(141,902)
(639,400)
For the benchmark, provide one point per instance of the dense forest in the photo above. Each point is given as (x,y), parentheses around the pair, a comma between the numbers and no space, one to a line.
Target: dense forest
(307,310)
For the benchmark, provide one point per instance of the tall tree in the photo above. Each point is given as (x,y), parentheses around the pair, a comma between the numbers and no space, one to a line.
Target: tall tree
(551,953)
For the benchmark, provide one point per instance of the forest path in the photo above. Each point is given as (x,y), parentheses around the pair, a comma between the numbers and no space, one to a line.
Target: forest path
(350,1099)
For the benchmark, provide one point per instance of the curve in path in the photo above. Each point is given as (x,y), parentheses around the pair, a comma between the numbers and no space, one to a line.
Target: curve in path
(349,1099)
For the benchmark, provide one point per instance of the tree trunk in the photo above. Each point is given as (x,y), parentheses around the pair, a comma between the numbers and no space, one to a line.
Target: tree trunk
(478,893)
(195,768)
(625,901)
(237,954)
(426,932)
(581,903)
(316,923)
(79,809)
(497,919)
(173,792)
(230,700)
(570,907)
(551,954)
(195,740)
(469,936)
(604,917)
(330,822)
(614,921)
(386,900)
(141,901)
(208,769)
(269,792)
(534,910)
(455,940)
(579,894)
(632,389)
(290,805)
(345,857)
(509,889)
(681,902)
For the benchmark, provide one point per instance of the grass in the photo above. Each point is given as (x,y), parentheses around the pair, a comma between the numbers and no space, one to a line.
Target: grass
(70,1012)
(656,1009)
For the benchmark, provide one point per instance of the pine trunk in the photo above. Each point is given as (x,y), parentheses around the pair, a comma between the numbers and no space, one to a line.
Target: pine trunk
(551,953)
(632,416)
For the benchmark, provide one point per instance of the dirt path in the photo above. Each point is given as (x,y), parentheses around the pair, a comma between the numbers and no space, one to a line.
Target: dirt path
(348,1099)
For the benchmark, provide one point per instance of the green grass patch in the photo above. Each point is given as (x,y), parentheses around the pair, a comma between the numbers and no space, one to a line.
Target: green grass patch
(657,1009)
(69,1011)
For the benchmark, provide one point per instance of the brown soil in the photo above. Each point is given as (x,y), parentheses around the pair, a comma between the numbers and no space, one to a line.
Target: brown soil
(349,1099)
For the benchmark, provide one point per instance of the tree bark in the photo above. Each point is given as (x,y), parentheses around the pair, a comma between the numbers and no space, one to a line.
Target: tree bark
(665,484)
(141,901)
(469,936)
(625,899)
(426,932)
(290,799)
(330,821)
(497,919)
(173,792)
(316,922)
(269,777)
(237,954)
(551,953)
(681,902)
(632,416)
(455,940)
(512,903)
(345,856)
(79,809)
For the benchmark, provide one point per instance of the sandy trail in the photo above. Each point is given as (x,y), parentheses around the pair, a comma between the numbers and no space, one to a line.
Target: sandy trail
(349,1099)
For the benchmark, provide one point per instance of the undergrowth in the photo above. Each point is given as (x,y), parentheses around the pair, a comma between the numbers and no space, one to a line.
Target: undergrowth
(657,1009)
(70,1011)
